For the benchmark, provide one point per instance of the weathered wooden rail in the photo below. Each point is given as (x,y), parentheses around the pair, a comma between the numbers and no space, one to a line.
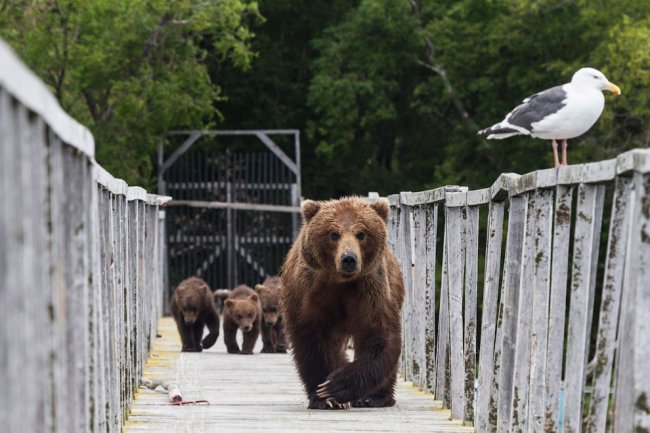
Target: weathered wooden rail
(81,276)
(564,328)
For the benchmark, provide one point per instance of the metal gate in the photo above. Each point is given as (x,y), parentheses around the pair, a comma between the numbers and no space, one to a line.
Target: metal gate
(235,212)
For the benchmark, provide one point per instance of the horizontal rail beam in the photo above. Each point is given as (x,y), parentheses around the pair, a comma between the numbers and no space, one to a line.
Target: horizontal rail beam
(213,132)
(236,206)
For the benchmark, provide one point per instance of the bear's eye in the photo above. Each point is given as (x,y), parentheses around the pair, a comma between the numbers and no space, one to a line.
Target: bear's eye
(361,236)
(335,236)
(250,315)
(239,317)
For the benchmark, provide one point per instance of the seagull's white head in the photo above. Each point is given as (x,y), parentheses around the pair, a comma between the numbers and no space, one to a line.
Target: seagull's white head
(590,77)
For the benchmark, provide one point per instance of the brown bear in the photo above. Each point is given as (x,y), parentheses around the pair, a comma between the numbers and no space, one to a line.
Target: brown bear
(341,281)
(272,323)
(192,308)
(242,310)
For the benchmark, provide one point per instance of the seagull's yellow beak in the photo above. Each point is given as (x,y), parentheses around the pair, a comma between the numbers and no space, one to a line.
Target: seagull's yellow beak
(613,88)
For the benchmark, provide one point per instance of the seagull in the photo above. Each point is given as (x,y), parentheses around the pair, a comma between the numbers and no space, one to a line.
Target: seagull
(558,113)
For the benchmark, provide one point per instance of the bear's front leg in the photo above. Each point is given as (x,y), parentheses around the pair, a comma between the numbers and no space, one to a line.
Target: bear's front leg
(375,363)
(267,339)
(280,339)
(250,338)
(212,322)
(197,333)
(316,356)
(230,336)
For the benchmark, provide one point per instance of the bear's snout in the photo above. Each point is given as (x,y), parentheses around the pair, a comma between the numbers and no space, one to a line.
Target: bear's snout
(349,262)
(246,328)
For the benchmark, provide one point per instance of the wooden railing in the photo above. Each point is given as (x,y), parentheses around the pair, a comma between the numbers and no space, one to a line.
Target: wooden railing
(81,269)
(561,340)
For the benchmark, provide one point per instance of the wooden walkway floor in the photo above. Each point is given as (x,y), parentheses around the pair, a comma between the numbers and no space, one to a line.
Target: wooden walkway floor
(260,393)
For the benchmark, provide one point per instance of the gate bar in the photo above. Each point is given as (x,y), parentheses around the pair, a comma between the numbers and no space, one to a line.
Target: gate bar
(237,206)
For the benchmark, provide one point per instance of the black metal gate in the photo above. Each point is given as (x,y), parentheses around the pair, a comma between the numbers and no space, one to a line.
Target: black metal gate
(234,213)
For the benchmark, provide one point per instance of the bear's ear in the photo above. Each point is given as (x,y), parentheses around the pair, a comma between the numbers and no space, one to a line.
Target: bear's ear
(259,288)
(229,303)
(309,209)
(254,297)
(382,207)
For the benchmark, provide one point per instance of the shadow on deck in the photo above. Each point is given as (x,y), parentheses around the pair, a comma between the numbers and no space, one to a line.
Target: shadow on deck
(260,393)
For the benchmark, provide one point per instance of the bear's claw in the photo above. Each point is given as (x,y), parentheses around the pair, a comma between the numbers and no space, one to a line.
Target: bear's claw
(327,404)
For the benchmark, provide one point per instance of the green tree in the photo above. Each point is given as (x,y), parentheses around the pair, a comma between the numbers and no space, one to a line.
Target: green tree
(416,79)
(131,70)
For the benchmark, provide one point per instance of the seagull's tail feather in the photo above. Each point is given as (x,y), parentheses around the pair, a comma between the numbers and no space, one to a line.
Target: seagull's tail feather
(502,130)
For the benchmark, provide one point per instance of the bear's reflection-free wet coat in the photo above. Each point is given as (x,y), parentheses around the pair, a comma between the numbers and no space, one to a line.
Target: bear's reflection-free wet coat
(327,300)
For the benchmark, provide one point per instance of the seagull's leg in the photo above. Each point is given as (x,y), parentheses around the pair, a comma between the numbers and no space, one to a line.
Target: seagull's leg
(564,145)
(557,160)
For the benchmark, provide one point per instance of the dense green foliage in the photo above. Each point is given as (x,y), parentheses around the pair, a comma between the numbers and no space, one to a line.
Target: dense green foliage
(389,94)
(131,69)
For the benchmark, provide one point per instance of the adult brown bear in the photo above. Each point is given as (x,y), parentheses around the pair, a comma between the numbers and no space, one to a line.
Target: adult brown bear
(192,308)
(340,280)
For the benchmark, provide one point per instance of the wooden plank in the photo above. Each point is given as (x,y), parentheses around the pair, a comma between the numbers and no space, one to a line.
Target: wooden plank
(431,228)
(610,300)
(539,325)
(470,304)
(486,407)
(585,252)
(443,370)
(5,181)
(507,322)
(559,269)
(419,284)
(455,262)
(236,405)
(631,413)
(521,372)
(639,277)
(406,224)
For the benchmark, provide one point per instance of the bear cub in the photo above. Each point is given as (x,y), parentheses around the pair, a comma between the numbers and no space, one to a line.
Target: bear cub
(272,323)
(242,310)
(340,281)
(192,308)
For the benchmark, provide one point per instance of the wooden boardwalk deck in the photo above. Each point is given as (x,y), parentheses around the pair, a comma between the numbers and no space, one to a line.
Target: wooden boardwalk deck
(260,393)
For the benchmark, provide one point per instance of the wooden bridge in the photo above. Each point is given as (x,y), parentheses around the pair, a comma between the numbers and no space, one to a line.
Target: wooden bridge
(556,339)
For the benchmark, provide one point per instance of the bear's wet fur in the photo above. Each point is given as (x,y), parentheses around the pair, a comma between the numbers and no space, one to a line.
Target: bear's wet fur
(272,323)
(341,281)
(192,308)
(242,310)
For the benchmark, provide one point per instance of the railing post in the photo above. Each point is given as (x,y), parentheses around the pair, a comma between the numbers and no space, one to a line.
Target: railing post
(406,261)
(632,394)
(507,316)
(455,244)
